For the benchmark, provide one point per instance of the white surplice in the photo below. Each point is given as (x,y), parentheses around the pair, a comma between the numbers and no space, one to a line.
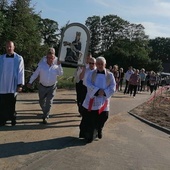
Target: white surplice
(11,73)
(102,81)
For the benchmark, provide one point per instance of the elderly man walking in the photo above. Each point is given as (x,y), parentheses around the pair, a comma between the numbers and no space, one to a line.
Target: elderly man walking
(47,72)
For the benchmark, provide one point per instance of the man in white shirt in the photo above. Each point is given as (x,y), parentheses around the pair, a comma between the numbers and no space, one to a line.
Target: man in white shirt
(11,82)
(44,59)
(47,72)
(127,77)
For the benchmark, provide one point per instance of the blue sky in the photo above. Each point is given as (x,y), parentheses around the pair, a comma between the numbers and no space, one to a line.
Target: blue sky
(154,15)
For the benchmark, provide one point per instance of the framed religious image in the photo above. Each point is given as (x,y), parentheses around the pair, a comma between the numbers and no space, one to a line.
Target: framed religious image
(74,44)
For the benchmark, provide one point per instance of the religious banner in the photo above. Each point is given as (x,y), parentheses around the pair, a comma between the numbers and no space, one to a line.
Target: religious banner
(74,44)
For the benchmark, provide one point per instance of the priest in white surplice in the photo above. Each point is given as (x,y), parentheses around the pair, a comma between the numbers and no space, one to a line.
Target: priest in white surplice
(100,87)
(11,82)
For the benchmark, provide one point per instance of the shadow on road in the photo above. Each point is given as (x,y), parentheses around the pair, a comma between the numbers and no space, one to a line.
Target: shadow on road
(30,122)
(39,125)
(55,101)
(24,148)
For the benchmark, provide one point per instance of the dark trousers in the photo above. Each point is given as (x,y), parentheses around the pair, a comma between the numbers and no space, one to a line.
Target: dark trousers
(132,88)
(81,91)
(142,85)
(92,122)
(7,107)
(120,84)
(78,92)
(152,88)
(126,87)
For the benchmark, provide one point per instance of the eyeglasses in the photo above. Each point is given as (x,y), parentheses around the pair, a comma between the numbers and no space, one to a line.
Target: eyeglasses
(50,58)
(92,63)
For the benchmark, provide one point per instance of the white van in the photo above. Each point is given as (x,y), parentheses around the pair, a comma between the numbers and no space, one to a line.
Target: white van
(165,79)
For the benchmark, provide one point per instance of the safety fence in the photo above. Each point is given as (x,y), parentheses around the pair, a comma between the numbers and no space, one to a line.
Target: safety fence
(161,95)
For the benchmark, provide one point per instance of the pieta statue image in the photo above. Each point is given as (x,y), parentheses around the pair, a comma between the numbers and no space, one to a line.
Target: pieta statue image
(74,44)
(74,53)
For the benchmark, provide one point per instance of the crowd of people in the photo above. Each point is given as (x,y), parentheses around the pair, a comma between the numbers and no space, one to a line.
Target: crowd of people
(99,87)
(12,80)
(135,80)
(94,87)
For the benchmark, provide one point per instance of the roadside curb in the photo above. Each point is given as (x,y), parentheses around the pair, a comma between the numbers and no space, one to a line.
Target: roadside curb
(166,130)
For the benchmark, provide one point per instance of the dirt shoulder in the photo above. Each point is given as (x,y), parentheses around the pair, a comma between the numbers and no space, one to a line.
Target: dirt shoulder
(156,109)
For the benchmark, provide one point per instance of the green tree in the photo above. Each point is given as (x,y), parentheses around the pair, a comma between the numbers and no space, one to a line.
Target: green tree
(2,22)
(21,26)
(3,5)
(112,28)
(134,32)
(155,65)
(94,25)
(160,49)
(3,11)
(129,47)
(49,31)
(119,41)
(125,53)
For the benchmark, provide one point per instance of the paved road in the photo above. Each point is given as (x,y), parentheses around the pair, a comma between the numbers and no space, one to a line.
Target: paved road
(127,144)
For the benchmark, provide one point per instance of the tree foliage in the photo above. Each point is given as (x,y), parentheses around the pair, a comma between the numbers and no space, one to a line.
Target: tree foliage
(21,27)
(48,29)
(161,49)
(111,28)
(94,25)
(155,65)
(118,40)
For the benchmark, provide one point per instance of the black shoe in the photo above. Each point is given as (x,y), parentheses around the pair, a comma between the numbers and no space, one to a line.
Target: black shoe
(13,122)
(44,121)
(89,140)
(81,135)
(100,134)
(88,137)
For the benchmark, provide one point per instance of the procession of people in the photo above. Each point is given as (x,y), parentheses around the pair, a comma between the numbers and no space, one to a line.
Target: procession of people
(95,85)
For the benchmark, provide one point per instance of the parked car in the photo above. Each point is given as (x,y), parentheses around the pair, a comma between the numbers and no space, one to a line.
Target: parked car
(164,79)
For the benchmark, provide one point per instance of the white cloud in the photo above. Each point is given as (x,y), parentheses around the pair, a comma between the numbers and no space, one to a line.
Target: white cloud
(102,2)
(155,8)
(160,8)
(156,30)
(154,15)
